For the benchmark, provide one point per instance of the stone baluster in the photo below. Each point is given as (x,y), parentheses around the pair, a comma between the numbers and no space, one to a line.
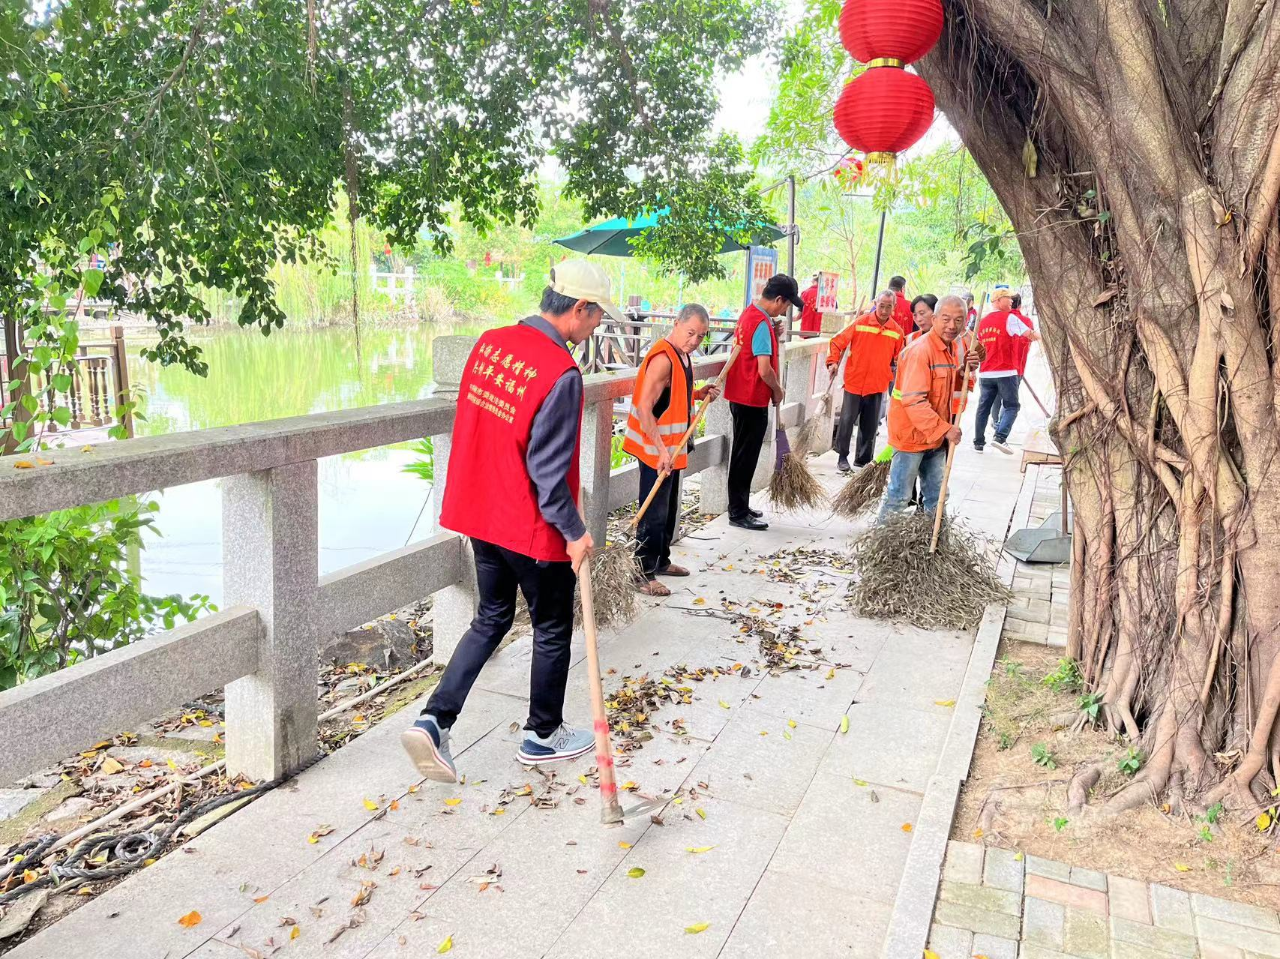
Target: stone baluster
(595,465)
(270,554)
(454,606)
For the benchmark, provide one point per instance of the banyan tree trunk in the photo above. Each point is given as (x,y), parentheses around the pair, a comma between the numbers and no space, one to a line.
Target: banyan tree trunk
(1134,144)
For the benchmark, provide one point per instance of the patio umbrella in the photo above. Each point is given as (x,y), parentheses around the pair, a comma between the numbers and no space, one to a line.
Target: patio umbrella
(612,237)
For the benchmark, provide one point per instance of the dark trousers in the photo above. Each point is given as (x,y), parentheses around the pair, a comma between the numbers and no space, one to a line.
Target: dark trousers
(865,412)
(750,423)
(548,589)
(1006,388)
(657,527)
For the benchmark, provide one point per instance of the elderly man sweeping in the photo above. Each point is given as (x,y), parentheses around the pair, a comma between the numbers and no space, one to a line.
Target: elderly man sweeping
(512,487)
(923,407)
(873,341)
(661,407)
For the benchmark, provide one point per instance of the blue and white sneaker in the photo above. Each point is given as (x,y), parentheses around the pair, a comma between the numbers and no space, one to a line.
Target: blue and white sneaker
(428,746)
(565,743)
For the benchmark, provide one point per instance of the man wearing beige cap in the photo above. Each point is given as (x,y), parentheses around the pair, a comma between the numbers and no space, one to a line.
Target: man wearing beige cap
(512,488)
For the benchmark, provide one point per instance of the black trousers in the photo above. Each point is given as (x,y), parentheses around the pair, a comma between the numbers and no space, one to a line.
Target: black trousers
(657,528)
(750,423)
(865,412)
(548,589)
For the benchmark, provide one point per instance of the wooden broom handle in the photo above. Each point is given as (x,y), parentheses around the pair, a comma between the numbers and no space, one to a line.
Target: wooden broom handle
(951,456)
(612,809)
(684,440)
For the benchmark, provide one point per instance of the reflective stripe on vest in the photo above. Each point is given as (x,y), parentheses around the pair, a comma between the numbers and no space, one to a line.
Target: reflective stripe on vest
(879,331)
(674,421)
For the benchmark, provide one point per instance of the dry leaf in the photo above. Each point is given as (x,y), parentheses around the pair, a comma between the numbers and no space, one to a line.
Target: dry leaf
(1263,821)
(831,673)
(1181,868)
(930,954)
(628,786)
(413,789)
(699,850)
(944,702)
(1106,296)
(623,845)
(702,813)
(1227,302)
(844,724)
(725,705)
(907,827)
(370,805)
(395,804)
(24,465)
(977,834)
(635,872)
(859,782)
(452,802)
(191,919)
(791,723)
(262,898)
(1030,159)
(697,602)
(296,932)
(365,894)
(445,946)
(697,928)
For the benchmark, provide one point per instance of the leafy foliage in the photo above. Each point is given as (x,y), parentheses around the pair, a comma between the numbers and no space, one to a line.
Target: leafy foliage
(196,143)
(1130,762)
(425,466)
(67,592)
(1066,678)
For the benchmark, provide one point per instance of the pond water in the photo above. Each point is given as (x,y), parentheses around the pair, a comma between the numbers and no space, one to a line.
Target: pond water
(368,504)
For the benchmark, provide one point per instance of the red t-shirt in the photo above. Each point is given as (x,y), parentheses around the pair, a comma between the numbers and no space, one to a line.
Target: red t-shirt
(810,317)
(902,313)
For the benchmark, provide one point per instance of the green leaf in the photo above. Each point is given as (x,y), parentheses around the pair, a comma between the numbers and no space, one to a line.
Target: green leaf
(635,872)
(91,280)
(61,415)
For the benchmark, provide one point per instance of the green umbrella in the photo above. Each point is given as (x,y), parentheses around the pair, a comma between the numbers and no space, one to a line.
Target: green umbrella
(612,237)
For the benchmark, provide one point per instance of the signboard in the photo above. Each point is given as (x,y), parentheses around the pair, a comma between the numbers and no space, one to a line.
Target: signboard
(827,283)
(762,263)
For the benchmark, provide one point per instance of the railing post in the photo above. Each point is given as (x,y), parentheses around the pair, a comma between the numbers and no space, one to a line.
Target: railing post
(454,606)
(270,555)
(121,363)
(594,465)
(713,482)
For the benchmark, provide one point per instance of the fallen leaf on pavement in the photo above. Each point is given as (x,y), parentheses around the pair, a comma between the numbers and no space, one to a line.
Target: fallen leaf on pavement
(191,919)
(635,872)
(907,827)
(844,724)
(702,813)
(944,702)
(1181,868)
(296,932)
(698,849)
(452,802)
(623,845)
(697,928)
(791,723)
(859,782)
(370,805)
(445,946)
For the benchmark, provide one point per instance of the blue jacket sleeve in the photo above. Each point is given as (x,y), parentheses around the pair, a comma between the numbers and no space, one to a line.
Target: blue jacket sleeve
(553,443)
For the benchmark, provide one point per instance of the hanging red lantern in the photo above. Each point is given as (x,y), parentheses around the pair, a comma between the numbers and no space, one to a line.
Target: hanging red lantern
(387,249)
(898,31)
(883,112)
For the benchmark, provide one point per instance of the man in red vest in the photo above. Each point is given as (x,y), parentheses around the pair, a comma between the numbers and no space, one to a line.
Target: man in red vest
(512,487)
(1024,351)
(661,406)
(752,384)
(901,307)
(810,317)
(874,341)
(1002,333)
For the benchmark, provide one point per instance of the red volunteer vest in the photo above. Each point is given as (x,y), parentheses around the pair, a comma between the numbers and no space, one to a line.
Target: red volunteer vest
(488,493)
(1023,344)
(1002,349)
(743,384)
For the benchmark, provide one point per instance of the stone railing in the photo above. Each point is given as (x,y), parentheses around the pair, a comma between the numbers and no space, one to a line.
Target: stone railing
(263,644)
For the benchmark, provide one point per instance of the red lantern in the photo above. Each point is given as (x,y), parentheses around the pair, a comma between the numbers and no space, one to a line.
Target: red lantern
(387,249)
(883,112)
(893,30)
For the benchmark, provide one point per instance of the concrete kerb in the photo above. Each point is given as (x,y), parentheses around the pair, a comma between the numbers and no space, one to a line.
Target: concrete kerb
(912,915)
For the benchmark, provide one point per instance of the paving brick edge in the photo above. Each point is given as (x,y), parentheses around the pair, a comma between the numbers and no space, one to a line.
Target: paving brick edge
(912,915)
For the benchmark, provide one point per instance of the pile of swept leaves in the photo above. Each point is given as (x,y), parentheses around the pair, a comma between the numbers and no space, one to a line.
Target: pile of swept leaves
(899,579)
(631,706)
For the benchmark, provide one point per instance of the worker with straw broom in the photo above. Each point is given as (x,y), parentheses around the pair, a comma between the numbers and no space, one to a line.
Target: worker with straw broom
(874,341)
(512,487)
(923,408)
(661,406)
(751,386)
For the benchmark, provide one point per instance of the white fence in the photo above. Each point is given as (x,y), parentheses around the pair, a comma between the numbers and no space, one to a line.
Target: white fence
(263,645)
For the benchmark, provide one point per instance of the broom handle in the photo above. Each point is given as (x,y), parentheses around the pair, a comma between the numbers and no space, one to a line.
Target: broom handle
(697,418)
(612,811)
(951,457)
(1023,381)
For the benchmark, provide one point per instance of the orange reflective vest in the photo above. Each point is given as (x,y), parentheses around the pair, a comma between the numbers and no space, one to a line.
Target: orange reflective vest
(926,394)
(872,351)
(673,422)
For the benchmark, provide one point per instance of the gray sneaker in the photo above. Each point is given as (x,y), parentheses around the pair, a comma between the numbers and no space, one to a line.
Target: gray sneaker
(428,746)
(565,743)
(1002,446)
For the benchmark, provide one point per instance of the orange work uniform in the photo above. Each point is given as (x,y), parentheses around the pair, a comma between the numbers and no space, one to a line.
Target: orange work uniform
(872,350)
(926,394)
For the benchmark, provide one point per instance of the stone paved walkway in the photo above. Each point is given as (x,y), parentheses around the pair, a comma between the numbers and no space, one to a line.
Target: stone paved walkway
(998,904)
(784,836)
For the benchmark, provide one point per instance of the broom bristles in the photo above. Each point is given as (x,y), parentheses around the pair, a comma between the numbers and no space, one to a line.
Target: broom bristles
(864,488)
(615,572)
(793,486)
(898,578)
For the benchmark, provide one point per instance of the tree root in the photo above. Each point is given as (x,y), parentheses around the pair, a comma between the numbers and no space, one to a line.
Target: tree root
(1080,784)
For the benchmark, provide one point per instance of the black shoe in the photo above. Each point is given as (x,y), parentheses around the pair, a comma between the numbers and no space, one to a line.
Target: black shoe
(749,522)
(754,512)
(842,465)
